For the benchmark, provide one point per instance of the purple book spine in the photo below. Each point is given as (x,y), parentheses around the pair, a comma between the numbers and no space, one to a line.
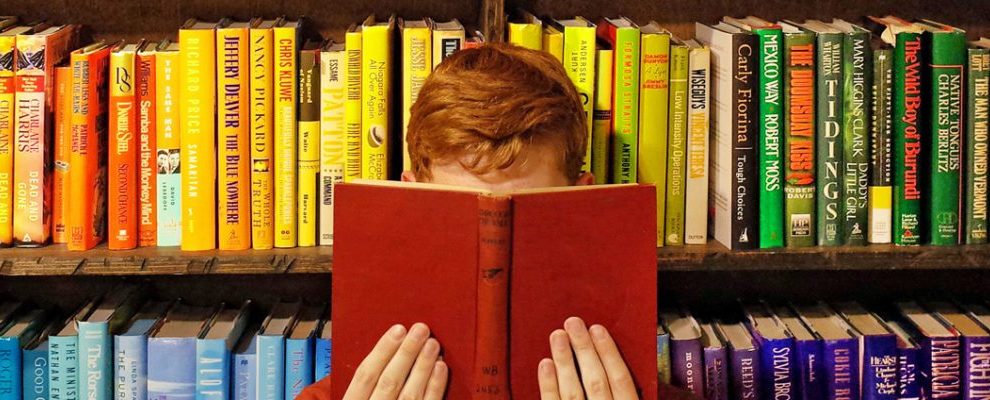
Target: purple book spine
(810,362)
(745,374)
(878,367)
(941,368)
(976,368)
(842,369)
(716,374)
(909,379)
(687,365)
(777,369)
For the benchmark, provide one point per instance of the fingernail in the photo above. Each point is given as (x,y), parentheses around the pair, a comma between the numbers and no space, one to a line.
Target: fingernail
(598,332)
(397,331)
(559,340)
(432,347)
(440,367)
(574,323)
(545,365)
(419,332)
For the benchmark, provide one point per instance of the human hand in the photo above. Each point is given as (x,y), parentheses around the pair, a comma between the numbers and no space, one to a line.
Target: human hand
(402,365)
(604,375)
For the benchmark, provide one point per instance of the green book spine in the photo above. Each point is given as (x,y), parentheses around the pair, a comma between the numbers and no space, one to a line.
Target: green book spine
(829,122)
(677,144)
(799,104)
(857,75)
(880,143)
(908,111)
(948,58)
(601,123)
(771,123)
(977,113)
(625,105)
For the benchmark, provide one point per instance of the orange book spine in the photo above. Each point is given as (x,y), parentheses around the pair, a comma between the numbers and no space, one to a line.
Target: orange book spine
(88,152)
(491,360)
(123,188)
(233,153)
(7,142)
(63,126)
(147,150)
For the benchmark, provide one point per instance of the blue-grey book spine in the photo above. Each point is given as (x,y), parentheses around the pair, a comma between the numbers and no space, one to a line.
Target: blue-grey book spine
(745,374)
(878,367)
(245,376)
(909,378)
(10,368)
(95,365)
(130,367)
(63,367)
(716,374)
(687,364)
(271,367)
(976,368)
(298,365)
(212,369)
(663,358)
(777,368)
(941,370)
(842,369)
(171,368)
(35,372)
(323,347)
(810,382)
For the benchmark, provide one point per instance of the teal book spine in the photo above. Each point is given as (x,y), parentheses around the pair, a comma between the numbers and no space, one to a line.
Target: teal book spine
(829,143)
(95,363)
(35,373)
(271,367)
(299,363)
(213,361)
(322,358)
(909,61)
(799,103)
(11,384)
(977,117)
(771,138)
(63,367)
(857,73)
(945,151)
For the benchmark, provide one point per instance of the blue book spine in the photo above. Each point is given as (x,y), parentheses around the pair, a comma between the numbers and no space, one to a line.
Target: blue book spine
(810,370)
(35,373)
(130,367)
(323,347)
(63,367)
(271,367)
(10,368)
(298,366)
(909,379)
(745,369)
(976,368)
(171,368)
(95,365)
(245,376)
(716,374)
(777,374)
(941,368)
(212,370)
(842,369)
(878,367)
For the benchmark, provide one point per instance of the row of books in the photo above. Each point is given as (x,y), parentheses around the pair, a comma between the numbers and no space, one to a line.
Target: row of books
(929,350)
(125,348)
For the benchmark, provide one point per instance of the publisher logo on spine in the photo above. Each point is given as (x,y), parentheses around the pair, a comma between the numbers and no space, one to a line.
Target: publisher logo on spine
(376,136)
(801,225)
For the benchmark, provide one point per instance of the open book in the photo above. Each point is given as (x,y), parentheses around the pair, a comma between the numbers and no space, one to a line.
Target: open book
(492,274)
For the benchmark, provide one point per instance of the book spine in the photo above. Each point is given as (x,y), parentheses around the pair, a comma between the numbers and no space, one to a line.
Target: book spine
(601,124)
(687,366)
(63,126)
(233,184)
(578,59)
(799,103)
(856,74)
(262,133)
(352,106)
(213,362)
(286,69)
(677,146)
(122,195)
(663,358)
(417,63)
(777,369)
(11,384)
(945,152)
(976,369)
(271,367)
(376,66)
(716,374)
(696,184)
(35,373)
(909,379)
(95,361)
(978,112)
(130,367)
(528,35)
(943,364)
(169,180)
(842,369)
(299,361)
(625,105)
(907,146)
(308,148)
(654,95)
(333,135)
(829,142)
(197,135)
(771,124)
(63,367)
(809,381)
(245,379)
(494,259)
(171,367)
(7,131)
(322,359)
(880,190)
(745,156)
(446,43)
(147,150)
(745,379)
(878,367)
(553,43)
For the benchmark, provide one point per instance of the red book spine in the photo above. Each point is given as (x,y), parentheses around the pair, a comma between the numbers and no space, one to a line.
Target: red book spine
(491,360)
(147,221)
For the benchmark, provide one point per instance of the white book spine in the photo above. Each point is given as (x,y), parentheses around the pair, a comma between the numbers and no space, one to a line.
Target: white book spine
(720,146)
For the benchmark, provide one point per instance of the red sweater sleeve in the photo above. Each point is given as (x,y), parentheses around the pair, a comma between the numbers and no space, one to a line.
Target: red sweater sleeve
(317,391)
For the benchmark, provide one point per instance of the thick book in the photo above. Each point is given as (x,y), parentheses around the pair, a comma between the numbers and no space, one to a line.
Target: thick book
(699,105)
(63,129)
(940,357)
(857,75)
(799,136)
(480,326)
(352,105)
(308,146)
(840,348)
(172,353)
(233,113)
(244,371)
(526,30)
(880,189)
(776,345)
(878,352)
(8,39)
(169,177)
(687,357)
(63,356)
(262,131)
(376,101)
(977,115)
(908,356)
(623,37)
(448,38)
(285,79)
(601,123)
(122,165)
(716,363)
(664,374)
(654,97)
(417,63)
(809,381)
(323,354)
(974,345)
(300,350)
(734,182)
(147,117)
(333,131)
(20,329)
(130,352)
(677,132)
(578,58)
(744,361)
(271,350)
(96,340)
(214,351)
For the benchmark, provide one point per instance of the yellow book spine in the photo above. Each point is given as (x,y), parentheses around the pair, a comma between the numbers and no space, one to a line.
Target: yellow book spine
(352,105)
(333,135)
(417,59)
(262,133)
(286,49)
(234,231)
(376,62)
(654,93)
(578,47)
(197,133)
(6,143)
(601,126)
(309,146)
(553,43)
(169,180)
(528,35)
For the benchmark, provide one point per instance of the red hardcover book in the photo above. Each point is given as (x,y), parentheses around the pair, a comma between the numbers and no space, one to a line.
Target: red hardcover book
(494,276)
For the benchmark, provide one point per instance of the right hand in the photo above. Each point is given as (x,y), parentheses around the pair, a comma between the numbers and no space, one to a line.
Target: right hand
(403,364)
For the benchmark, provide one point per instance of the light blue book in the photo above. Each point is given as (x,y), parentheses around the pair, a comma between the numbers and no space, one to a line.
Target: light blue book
(96,341)
(172,353)
(130,349)
(213,352)
(35,365)
(63,356)
(324,345)
(246,366)
(271,351)
(300,347)
(17,333)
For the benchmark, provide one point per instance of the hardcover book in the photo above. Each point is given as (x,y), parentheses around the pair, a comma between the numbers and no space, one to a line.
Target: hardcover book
(308,146)
(333,131)
(376,101)
(909,375)
(744,360)
(578,56)
(776,345)
(696,186)
(286,70)
(271,350)
(687,357)
(300,348)
(623,36)
(352,105)
(244,372)
(471,311)
(233,112)
(448,38)
(122,184)
(526,31)
(880,189)
(716,364)
(417,63)
(553,42)
(809,382)
(878,352)
(130,352)
(34,366)
(214,352)
(8,39)
(262,131)
(169,198)
(20,329)
(172,353)
(799,136)
(664,374)
(654,95)
(677,143)
(974,344)
(940,358)
(63,129)
(840,348)
(601,125)
(324,345)
(96,340)
(147,104)
(63,356)
(976,140)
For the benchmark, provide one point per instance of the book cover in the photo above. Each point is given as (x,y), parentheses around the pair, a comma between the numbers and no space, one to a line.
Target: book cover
(939,362)
(130,352)
(677,143)
(778,369)
(353,77)
(271,350)
(37,55)
(526,31)
(744,367)
(308,156)
(300,350)
(8,39)
(688,365)
(233,110)
(509,332)
(553,42)
(172,353)
(624,37)
(664,374)
(169,176)
(21,329)
(448,38)
(799,136)
(601,124)
(809,380)
(286,39)
(122,188)
(198,134)
(417,63)
(857,74)
(333,131)
(908,355)
(654,96)
(733,178)
(839,348)
(323,353)
(974,349)
(262,130)
(716,364)
(96,332)
(578,58)
(34,366)
(696,184)
(977,116)
(376,67)
(63,127)
(63,356)
(244,380)
(880,189)
(878,352)
(214,352)
(147,118)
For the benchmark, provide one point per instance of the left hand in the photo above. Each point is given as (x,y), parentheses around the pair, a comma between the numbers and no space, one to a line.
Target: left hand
(604,375)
